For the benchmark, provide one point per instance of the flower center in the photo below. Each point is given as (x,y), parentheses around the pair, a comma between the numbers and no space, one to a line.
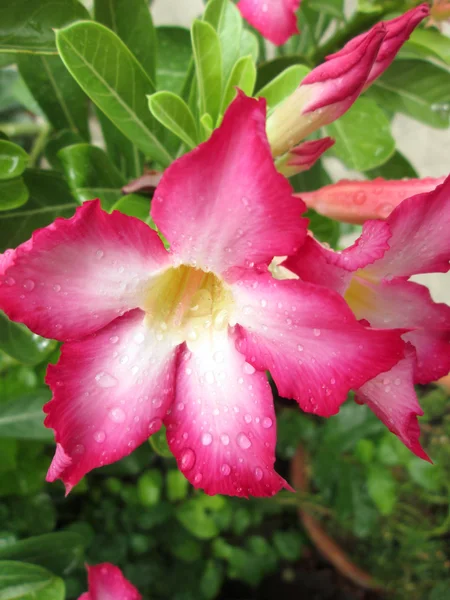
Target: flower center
(360,295)
(188,302)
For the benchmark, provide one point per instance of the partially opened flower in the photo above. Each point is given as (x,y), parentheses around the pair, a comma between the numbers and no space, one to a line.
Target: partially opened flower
(184,337)
(276,20)
(303,157)
(106,582)
(373,276)
(358,201)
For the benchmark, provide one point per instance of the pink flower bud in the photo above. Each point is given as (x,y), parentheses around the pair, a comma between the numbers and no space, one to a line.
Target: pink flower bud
(274,19)
(302,157)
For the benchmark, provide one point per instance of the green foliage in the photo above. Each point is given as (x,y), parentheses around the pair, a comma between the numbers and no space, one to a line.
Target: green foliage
(13,160)
(29,581)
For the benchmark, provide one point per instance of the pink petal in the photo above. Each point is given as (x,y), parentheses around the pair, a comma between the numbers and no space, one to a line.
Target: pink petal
(223,204)
(303,157)
(78,274)
(309,340)
(398,32)
(358,201)
(391,396)
(222,428)
(274,19)
(408,305)
(106,582)
(325,94)
(110,393)
(420,241)
(317,264)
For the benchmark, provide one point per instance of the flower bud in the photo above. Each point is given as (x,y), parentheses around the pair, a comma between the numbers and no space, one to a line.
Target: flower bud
(302,157)
(276,20)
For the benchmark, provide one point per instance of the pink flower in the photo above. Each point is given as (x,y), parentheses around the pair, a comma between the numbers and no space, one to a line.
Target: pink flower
(106,582)
(276,20)
(357,201)
(185,337)
(302,157)
(373,276)
(398,31)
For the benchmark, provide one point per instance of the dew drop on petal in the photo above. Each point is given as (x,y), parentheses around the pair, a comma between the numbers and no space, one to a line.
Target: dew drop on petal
(206,439)
(154,426)
(114,339)
(28,284)
(243,441)
(123,359)
(248,418)
(263,303)
(99,436)
(258,474)
(225,439)
(56,288)
(267,422)
(139,338)
(187,460)
(299,347)
(157,402)
(180,406)
(225,469)
(117,415)
(198,478)
(248,368)
(99,254)
(316,332)
(105,380)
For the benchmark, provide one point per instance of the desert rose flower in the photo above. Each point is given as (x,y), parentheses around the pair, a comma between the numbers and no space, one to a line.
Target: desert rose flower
(185,337)
(275,20)
(358,201)
(373,276)
(302,157)
(106,582)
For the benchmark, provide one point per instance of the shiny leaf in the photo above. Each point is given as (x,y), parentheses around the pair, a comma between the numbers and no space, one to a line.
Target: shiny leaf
(28,582)
(283,85)
(172,112)
(19,343)
(208,66)
(174,57)
(23,419)
(13,193)
(243,76)
(13,160)
(227,21)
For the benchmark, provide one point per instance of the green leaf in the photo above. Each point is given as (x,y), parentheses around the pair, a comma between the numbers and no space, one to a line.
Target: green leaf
(431,40)
(174,57)
(208,66)
(23,418)
(132,22)
(91,174)
(60,551)
(125,155)
(13,160)
(211,580)
(22,345)
(288,544)
(115,82)
(175,115)
(22,581)
(57,142)
(135,205)
(149,487)
(193,515)
(207,126)
(249,45)
(243,76)
(8,452)
(417,89)
(283,85)
(158,441)
(56,92)
(226,19)
(177,485)
(334,8)
(382,488)
(13,193)
(324,229)
(428,476)
(50,197)
(269,70)
(27,25)
(363,136)
(397,167)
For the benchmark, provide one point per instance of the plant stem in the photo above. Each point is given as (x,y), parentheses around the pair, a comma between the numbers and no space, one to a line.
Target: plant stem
(25,128)
(39,144)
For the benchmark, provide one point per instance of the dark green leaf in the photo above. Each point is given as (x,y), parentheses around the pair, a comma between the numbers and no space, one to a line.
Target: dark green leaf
(172,112)
(288,544)
(174,56)
(91,174)
(132,21)
(13,193)
(27,25)
(428,476)
(208,66)
(29,582)
(283,85)
(363,136)
(211,580)
(114,81)
(177,485)
(193,515)
(149,487)
(397,167)
(56,92)
(50,197)
(60,551)
(324,229)
(417,89)
(57,142)
(382,488)
(13,160)
(227,21)
(22,345)
(23,418)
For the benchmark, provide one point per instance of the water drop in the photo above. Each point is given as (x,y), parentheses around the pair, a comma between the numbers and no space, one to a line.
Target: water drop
(180,406)
(258,474)
(206,439)
(225,439)
(187,460)
(10,281)
(56,288)
(360,198)
(317,332)
(117,415)
(397,381)
(248,418)
(198,478)
(114,339)
(299,347)
(123,359)
(154,426)
(99,254)
(243,441)
(248,368)
(225,469)
(105,380)
(267,422)
(99,436)
(28,284)
(263,303)
(157,402)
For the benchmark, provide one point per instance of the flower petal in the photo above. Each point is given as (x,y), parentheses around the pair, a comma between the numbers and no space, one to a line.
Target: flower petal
(391,396)
(274,19)
(223,204)
(408,305)
(76,275)
(110,393)
(358,201)
(420,242)
(303,157)
(106,582)
(221,428)
(309,340)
